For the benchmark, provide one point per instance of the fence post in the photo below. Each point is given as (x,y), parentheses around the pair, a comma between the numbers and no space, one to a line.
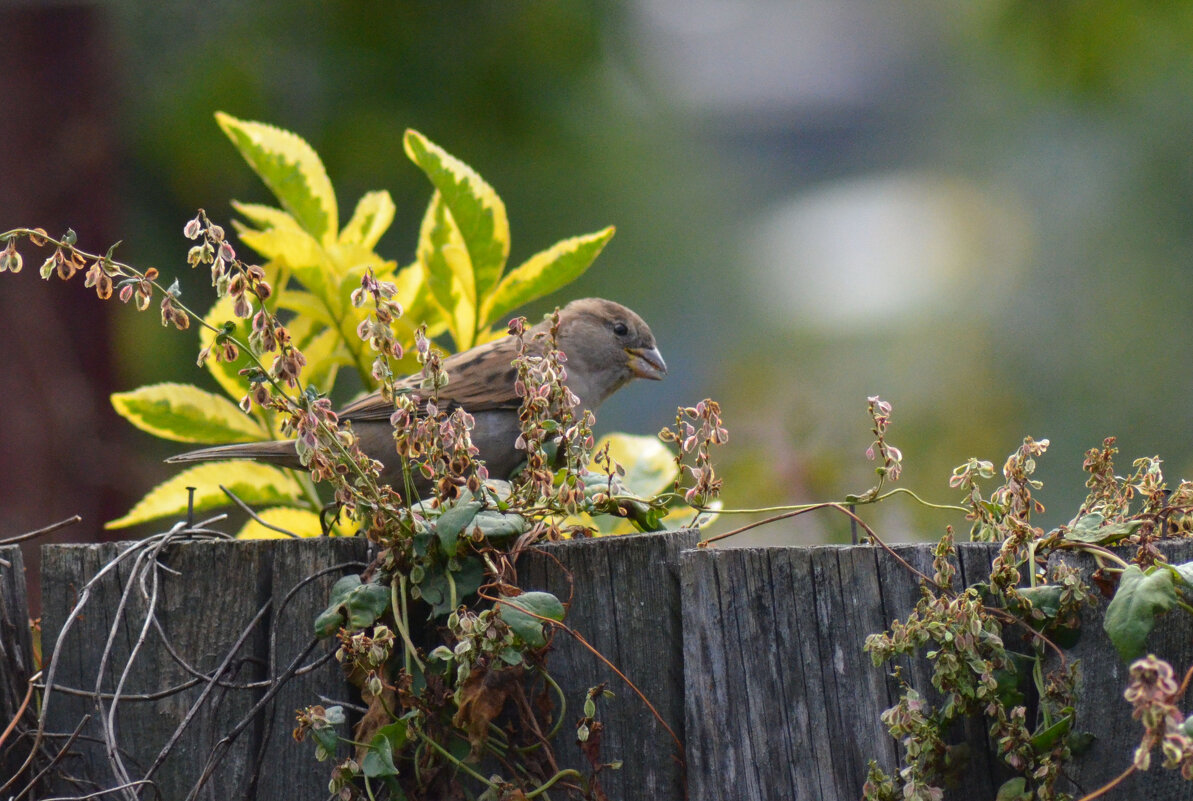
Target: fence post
(782,702)
(16,655)
(216,603)
(1107,715)
(626,605)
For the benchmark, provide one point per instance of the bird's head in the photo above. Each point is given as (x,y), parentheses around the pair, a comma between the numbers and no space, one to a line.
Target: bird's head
(607,346)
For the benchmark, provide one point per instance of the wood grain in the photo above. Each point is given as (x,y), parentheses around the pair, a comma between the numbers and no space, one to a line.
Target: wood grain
(626,605)
(205,597)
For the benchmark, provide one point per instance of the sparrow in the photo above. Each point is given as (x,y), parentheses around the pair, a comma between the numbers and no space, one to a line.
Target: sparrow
(606,345)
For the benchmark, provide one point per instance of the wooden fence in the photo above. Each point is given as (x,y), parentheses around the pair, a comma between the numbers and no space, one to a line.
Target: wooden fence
(753,657)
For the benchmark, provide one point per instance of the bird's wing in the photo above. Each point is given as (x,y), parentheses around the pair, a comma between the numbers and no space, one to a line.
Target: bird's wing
(480,379)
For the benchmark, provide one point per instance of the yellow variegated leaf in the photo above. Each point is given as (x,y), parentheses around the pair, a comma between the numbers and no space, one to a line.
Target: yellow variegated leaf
(305,305)
(303,329)
(476,209)
(226,373)
(302,522)
(649,464)
(292,248)
(265,217)
(255,484)
(325,354)
(185,413)
(348,257)
(292,171)
(445,262)
(412,289)
(490,334)
(286,243)
(545,272)
(414,295)
(373,215)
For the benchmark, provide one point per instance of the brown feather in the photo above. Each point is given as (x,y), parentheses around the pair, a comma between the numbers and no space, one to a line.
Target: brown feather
(472,390)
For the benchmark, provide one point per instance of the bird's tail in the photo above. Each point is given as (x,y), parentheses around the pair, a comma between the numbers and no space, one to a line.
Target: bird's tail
(279,452)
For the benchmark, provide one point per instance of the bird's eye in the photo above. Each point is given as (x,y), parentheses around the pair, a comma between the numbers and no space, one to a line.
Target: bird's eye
(620,329)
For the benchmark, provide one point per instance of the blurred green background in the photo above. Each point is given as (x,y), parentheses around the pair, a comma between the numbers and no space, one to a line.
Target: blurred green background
(982,212)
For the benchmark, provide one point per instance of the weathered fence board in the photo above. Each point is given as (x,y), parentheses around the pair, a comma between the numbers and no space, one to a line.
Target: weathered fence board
(780,698)
(753,656)
(783,704)
(1104,677)
(220,607)
(16,654)
(287,765)
(626,605)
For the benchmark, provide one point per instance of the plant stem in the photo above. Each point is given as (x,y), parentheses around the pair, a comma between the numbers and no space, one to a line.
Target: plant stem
(397,589)
(444,752)
(569,773)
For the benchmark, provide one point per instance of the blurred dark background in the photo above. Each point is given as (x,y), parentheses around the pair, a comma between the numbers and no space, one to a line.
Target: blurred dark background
(982,212)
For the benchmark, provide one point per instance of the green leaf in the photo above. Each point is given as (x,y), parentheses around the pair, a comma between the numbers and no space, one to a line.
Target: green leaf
(1132,612)
(379,759)
(255,484)
(499,526)
(452,523)
(1008,692)
(365,604)
(444,259)
(373,215)
(469,577)
(476,209)
(1014,790)
(185,413)
(292,171)
(329,622)
(544,273)
(331,618)
(290,247)
(302,522)
(444,589)
(1080,742)
(519,614)
(326,738)
(1090,528)
(1045,598)
(1043,741)
(436,591)
(361,603)
(1184,572)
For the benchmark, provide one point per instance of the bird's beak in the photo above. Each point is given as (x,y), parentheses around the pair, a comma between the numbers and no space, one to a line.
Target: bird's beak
(647,363)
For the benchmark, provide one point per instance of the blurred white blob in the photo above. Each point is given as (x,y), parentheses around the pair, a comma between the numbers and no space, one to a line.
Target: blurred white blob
(868,252)
(770,58)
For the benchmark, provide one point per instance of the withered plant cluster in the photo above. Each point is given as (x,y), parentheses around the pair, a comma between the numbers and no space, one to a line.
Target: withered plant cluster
(463,703)
(998,649)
